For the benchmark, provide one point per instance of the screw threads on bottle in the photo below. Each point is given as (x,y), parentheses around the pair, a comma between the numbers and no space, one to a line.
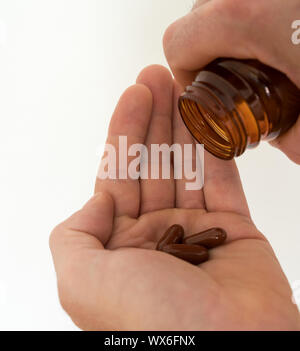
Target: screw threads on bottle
(233,105)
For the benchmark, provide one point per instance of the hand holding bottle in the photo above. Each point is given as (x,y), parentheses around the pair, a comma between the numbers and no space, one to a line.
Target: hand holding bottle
(258,29)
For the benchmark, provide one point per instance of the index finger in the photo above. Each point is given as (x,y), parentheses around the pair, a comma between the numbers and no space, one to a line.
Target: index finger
(208,32)
(130,122)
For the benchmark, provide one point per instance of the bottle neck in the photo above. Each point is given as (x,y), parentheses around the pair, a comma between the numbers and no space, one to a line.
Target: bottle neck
(228,113)
(221,127)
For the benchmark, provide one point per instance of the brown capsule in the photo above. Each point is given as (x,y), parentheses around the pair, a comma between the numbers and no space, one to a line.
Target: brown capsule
(173,235)
(209,238)
(194,254)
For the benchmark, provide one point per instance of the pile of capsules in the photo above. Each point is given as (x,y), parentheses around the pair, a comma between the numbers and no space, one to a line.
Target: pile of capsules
(193,248)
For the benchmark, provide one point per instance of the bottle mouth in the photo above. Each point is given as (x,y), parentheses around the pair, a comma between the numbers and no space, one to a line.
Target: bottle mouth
(207,128)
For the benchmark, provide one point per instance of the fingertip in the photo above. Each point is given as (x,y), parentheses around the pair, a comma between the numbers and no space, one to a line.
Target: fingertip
(133,112)
(155,73)
(169,39)
(182,49)
(160,81)
(135,97)
(98,200)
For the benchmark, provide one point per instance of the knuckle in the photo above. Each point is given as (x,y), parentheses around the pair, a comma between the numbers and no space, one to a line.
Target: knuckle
(179,36)
(237,18)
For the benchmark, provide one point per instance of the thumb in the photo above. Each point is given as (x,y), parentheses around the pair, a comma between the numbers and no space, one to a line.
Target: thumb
(87,229)
(77,247)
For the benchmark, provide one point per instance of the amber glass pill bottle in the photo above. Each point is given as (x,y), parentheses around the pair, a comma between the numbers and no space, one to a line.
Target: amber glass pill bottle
(234,104)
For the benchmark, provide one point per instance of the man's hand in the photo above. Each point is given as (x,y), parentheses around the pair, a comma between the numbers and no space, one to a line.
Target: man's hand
(111,278)
(243,29)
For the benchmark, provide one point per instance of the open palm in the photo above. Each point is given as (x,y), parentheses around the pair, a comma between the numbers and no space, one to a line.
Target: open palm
(111,278)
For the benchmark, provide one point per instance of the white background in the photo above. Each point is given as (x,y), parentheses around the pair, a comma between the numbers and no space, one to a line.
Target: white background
(63,65)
